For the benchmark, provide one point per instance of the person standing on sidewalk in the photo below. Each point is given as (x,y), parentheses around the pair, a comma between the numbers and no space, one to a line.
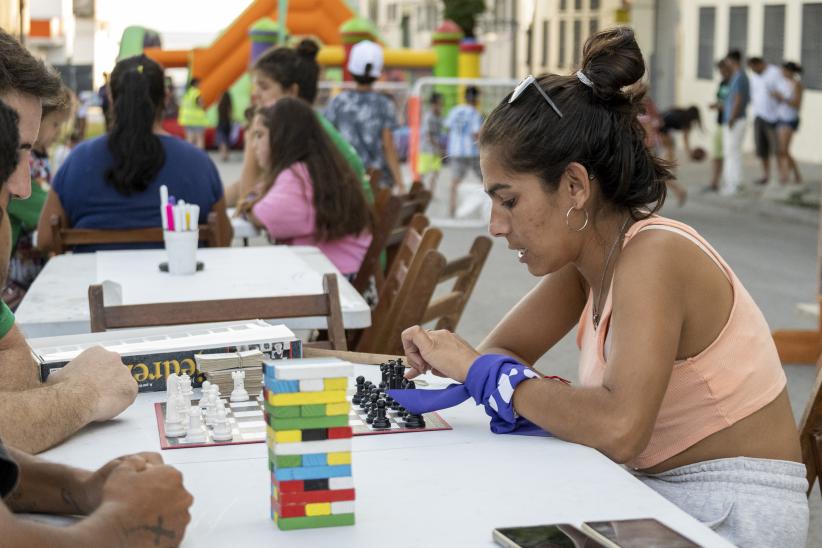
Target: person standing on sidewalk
(764,81)
(733,116)
(788,94)
(716,150)
(463,123)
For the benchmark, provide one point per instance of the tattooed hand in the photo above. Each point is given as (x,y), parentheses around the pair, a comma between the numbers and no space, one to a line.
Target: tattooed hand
(89,496)
(146,501)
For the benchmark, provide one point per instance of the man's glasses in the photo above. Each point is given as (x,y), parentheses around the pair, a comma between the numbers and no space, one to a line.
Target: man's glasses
(524,85)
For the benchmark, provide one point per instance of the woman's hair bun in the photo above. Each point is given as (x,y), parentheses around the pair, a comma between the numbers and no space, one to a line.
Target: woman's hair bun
(612,60)
(307,48)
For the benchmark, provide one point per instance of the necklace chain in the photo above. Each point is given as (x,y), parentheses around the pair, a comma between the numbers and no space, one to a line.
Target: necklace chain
(595,303)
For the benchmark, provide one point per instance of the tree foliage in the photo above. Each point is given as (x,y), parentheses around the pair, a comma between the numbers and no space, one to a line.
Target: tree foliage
(464,13)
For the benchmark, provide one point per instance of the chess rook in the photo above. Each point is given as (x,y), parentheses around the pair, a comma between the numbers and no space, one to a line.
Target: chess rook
(309,441)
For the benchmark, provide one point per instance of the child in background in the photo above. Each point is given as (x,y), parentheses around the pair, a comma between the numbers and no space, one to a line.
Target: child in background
(26,261)
(431,149)
(310,195)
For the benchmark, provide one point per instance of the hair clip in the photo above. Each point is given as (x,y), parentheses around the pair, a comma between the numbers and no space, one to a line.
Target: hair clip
(584,79)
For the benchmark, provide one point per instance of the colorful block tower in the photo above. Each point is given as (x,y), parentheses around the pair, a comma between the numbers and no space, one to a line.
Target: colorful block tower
(309,442)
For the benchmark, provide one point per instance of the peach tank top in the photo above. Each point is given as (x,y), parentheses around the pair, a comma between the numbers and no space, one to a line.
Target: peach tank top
(738,374)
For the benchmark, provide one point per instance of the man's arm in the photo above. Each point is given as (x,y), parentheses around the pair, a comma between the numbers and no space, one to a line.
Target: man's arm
(18,368)
(391,158)
(47,487)
(94,386)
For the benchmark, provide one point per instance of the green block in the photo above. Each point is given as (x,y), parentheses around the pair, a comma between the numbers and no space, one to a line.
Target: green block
(307,423)
(313,522)
(317,410)
(289,461)
(289,412)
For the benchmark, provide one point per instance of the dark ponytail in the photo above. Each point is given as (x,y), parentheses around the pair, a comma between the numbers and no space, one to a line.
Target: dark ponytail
(9,143)
(288,66)
(599,127)
(138,94)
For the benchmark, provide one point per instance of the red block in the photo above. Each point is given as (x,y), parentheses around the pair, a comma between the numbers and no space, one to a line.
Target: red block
(340,432)
(291,486)
(288,510)
(308,497)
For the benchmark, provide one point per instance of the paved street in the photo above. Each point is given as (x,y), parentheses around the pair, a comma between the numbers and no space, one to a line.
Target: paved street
(771,247)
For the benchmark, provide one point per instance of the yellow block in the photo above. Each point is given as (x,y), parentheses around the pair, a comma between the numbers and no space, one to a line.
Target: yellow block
(335,384)
(318,509)
(286,436)
(334,409)
(306,398)
(343,457)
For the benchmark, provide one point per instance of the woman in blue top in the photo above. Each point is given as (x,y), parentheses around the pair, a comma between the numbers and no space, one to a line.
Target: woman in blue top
(113,181)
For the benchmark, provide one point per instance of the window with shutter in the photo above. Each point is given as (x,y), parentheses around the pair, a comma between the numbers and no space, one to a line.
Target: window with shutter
(738,30)
(577,42)
(773,34)
(705,51)
(812,46)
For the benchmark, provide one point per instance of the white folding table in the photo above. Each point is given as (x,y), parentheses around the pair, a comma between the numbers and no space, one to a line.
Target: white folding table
(57,302)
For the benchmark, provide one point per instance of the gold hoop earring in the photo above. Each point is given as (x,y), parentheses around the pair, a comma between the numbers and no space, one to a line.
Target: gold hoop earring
(568,219)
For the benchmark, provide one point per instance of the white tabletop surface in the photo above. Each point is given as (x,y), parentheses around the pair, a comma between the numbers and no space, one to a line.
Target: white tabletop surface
(57,302)
(448,488)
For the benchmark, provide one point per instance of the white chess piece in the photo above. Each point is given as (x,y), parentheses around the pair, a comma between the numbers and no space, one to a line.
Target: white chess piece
(204,394)
(239,393)
(171,384)
(175,423)
(197,432)
(185,381)
(211,407)
(222,428)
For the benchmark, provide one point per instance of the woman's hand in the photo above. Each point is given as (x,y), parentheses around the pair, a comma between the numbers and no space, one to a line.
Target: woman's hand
(441,352)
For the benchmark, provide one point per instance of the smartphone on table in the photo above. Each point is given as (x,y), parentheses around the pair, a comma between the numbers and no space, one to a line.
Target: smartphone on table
(636,533)
(560,535)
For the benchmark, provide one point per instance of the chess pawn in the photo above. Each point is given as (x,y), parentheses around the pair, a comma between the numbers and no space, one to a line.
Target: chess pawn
(185,382)
(239,393)
(175,423)
(171,384)
(206,388)
(211,408)
(197,433)
(380,420)
(222,428)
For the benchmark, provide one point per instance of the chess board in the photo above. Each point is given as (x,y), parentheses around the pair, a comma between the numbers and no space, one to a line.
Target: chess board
(248,425)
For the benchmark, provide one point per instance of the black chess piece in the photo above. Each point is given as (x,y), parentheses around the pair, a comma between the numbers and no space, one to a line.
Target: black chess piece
(399,373)
(360,391)
(409,385)
(395,405)
(414,421)
(372,401)
(380,420)
(384,371)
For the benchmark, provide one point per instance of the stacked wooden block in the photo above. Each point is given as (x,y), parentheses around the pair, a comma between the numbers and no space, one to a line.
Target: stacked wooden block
(309,442)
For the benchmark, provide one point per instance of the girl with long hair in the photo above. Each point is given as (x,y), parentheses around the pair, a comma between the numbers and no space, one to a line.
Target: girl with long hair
(113,181)
(308,194)
(680,379)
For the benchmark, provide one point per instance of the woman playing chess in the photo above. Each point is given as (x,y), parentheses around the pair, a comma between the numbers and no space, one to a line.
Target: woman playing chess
(679,376)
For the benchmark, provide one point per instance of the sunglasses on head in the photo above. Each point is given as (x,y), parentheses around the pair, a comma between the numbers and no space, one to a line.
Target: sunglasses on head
(522,86)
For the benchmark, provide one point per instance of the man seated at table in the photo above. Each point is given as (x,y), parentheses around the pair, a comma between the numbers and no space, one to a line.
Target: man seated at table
(95,386)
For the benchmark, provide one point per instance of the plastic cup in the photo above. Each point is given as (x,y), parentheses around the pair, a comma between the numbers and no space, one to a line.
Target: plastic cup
(181,248)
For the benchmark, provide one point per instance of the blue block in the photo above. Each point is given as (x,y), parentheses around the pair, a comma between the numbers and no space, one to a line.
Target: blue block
(279,387)
(315,459)
(313,472)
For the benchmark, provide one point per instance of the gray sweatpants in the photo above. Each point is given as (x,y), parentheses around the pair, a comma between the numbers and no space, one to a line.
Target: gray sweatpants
(749,502)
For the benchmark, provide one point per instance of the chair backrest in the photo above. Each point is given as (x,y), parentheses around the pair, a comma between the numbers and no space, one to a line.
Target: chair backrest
(412,205)
(191,312)
(417,242)
(810,431)
(416,303)
(64,238)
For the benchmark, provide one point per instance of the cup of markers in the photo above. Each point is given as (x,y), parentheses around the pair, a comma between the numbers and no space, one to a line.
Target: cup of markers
(180,233)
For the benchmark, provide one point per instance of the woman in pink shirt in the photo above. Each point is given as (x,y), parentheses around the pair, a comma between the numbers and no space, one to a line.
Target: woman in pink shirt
(309,195)
(679,378)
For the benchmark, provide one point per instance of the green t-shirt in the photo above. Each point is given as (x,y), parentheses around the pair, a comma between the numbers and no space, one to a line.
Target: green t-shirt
(350,155)
(24,214)
(6,319)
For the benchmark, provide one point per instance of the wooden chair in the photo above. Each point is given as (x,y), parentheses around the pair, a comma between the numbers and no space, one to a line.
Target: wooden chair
(810,431)
(149,315)
(64,238)
(418,241)
(411,206)
(416,303)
